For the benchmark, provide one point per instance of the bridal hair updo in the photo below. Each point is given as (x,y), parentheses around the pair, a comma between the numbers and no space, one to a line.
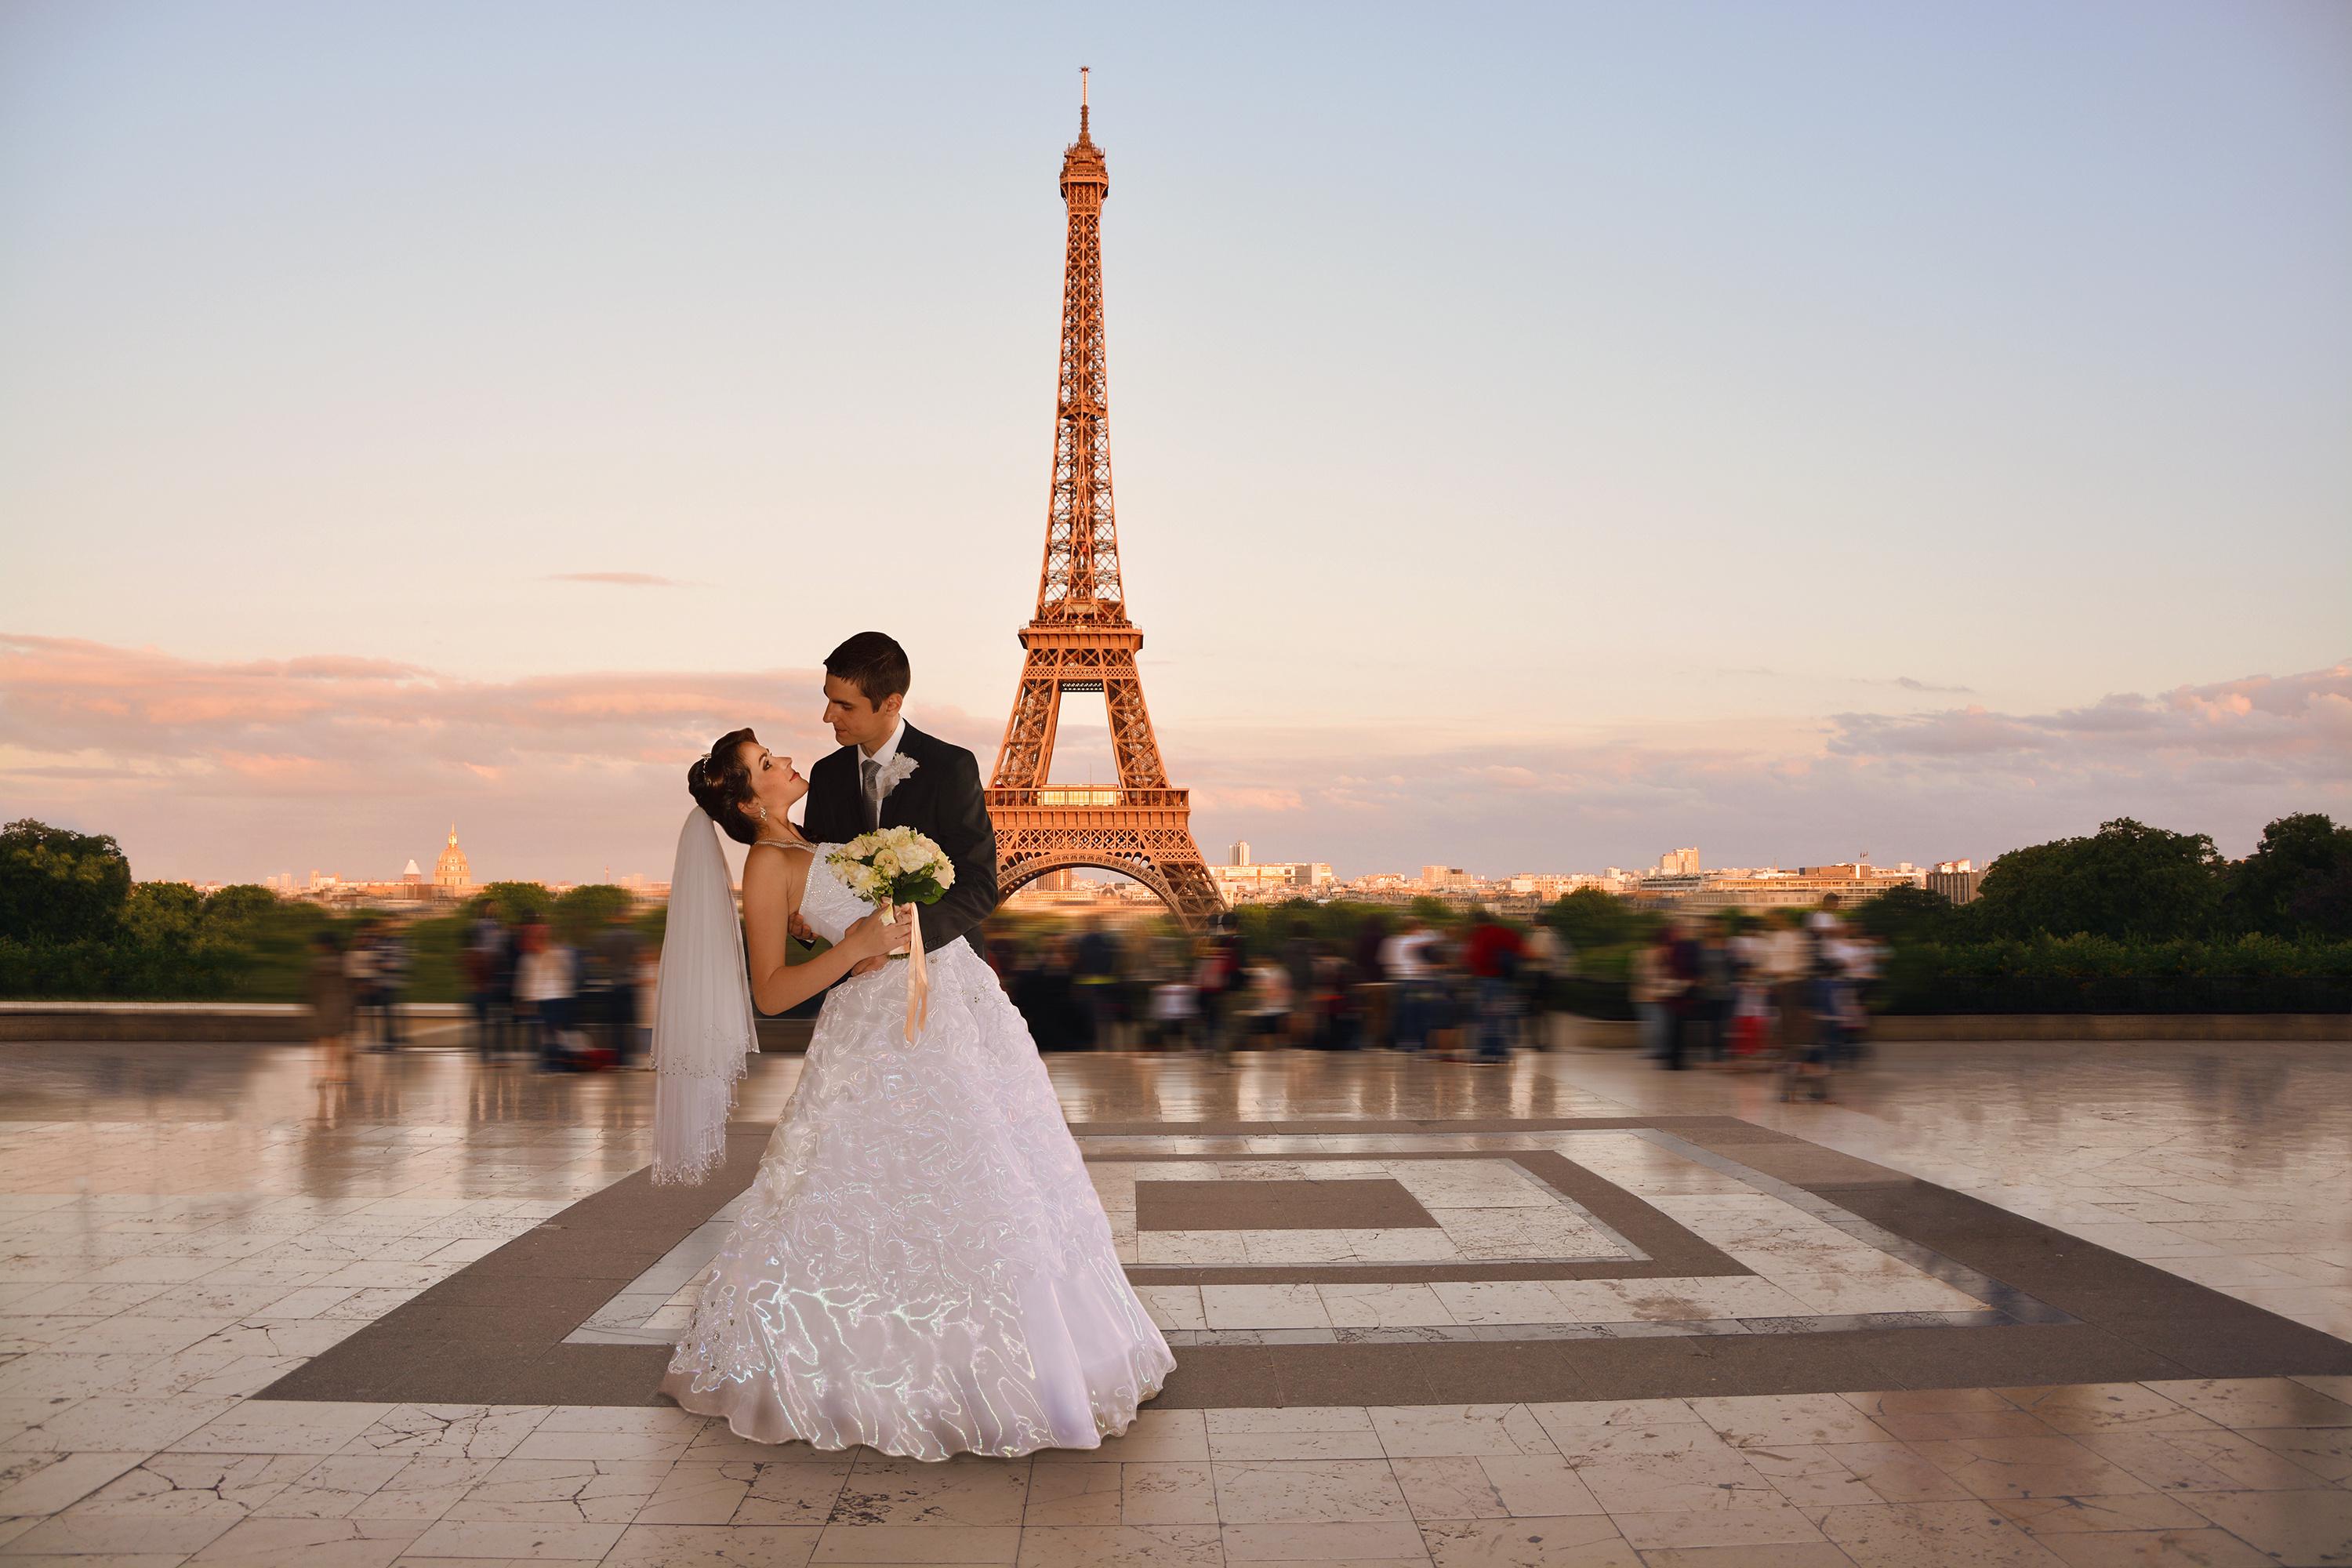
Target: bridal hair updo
(721,785)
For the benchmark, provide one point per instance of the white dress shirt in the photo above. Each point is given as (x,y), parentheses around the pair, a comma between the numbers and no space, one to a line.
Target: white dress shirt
(887,751)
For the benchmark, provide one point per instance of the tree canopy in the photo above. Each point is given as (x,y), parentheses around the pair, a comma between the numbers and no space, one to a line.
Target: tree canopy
(2297,882)
(1906,916)
(1592,918)
(2127,881)
(517,902)
(57,885)
(582,912)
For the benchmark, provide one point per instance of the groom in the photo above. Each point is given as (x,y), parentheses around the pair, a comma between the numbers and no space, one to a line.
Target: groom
(889,774)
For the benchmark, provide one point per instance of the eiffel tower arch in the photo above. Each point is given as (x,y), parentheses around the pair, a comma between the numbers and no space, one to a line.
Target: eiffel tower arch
(1080,639)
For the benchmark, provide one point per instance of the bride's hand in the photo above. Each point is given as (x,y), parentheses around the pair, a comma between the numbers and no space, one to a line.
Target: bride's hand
(871,939)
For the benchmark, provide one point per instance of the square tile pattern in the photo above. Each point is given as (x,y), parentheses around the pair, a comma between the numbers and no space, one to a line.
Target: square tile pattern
(1661,1259)
(169,1268)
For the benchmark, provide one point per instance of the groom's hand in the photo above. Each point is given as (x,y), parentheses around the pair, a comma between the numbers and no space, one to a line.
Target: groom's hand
(802,932)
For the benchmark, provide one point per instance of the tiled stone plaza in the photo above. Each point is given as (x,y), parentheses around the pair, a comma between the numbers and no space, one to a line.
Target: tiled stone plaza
(2002,1304)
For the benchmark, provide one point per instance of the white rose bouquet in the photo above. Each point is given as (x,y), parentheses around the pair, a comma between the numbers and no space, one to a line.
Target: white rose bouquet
(892,866)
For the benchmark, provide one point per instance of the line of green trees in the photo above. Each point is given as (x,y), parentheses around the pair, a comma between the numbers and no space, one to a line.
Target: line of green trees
(75,926)
(2132,918)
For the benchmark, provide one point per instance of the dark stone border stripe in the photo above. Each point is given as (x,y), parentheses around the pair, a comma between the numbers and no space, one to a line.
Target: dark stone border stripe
(2006,1299)
(1665,1366)
(493,1334)
(1329,1128)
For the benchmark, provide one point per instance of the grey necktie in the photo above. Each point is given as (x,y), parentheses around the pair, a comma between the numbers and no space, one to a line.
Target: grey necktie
(873,771)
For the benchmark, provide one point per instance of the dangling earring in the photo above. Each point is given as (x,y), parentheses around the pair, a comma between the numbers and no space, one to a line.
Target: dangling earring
(764,813)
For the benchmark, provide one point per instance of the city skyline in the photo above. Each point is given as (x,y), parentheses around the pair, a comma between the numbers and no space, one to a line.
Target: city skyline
(1831,421)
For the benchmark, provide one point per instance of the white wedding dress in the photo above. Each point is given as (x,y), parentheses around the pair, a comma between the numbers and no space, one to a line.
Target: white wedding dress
(921,1265)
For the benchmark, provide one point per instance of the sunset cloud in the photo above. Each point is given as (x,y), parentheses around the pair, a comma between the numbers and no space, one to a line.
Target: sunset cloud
(242,768)
(618,579)
(2285,723)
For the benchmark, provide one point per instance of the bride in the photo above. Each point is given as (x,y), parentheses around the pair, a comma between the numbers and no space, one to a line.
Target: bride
(921,1265)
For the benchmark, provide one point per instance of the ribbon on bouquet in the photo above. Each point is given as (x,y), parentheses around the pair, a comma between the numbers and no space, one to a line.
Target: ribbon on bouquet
(919,980)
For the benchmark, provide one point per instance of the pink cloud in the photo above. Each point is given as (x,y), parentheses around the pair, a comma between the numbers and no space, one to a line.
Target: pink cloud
(240,769)
(2289,719)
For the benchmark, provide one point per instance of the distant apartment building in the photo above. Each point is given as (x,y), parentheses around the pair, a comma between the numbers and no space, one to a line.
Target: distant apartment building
(1957,880)
(1245,883)
(1678,863)
(1551,885)
(1438,878)
(1853,882)
(1239,853)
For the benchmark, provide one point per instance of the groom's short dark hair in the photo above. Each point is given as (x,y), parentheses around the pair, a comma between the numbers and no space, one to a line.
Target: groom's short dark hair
(874,663)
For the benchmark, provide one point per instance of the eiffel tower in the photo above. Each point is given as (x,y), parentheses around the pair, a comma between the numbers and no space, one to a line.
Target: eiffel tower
(1081,639)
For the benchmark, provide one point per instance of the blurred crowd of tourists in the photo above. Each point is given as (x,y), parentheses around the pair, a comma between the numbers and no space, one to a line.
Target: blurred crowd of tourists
(1790,993)
(1474,993)
(531,995)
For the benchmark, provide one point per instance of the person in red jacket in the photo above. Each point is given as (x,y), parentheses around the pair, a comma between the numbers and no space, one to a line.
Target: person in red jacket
(1493,955)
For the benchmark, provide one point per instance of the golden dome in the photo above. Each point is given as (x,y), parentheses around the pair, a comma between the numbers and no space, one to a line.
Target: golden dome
(451,870)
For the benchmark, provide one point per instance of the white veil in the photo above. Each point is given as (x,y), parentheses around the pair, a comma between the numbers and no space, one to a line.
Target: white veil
(703,1024)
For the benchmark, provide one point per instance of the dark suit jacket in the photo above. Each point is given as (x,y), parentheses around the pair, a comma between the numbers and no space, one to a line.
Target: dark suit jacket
(940,799)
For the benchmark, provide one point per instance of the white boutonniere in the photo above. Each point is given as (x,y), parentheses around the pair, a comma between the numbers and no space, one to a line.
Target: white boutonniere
(899,769)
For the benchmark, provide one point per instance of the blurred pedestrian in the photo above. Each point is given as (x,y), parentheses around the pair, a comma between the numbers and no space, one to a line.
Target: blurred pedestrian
(1682,1002)
(1782,978)
(1816,1056)
(619,954)
(1096,985)
(1267,1018)
(391,984)
(485,945)
(1408,959)
(1717,989)
(1298,970)
(328,990)
(1326,1002)
(1544,967)
(514,1032)
(359,969)
(1370,986)
(1175,1014)
(1751,995)
(1492,955)
(544,983)
(1652,989)
(1217,978)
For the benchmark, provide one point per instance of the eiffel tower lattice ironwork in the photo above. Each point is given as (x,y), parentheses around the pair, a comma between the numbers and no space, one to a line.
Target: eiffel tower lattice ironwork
(1081,639)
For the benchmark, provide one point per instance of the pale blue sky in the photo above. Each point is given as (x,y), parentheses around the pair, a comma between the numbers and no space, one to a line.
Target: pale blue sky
(1606,380)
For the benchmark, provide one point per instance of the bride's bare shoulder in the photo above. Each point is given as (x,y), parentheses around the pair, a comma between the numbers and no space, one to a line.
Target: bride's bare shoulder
(773,863)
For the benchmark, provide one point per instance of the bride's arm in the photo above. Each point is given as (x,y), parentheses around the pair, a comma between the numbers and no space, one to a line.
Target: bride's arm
(771,889)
